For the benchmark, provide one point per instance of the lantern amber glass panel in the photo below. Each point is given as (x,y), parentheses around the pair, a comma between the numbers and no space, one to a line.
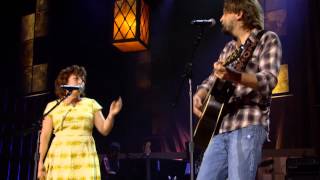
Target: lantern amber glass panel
(131,25)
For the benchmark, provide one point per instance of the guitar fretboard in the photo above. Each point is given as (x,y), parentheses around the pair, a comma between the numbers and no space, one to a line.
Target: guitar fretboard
(233,56)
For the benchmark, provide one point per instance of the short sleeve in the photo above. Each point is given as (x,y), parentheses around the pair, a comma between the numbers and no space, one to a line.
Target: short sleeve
(48,108)
(96,106)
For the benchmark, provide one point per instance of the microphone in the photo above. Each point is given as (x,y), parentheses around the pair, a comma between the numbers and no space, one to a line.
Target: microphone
(71,87)
(204,22)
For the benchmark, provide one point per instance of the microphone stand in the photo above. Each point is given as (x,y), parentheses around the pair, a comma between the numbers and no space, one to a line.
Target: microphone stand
(39,126)
(188,75)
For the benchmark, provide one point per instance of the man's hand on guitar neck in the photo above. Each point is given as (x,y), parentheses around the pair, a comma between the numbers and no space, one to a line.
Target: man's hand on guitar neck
(197,101)
(226,73)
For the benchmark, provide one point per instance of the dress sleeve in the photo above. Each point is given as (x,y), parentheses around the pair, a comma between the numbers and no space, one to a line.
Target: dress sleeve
(96,106)
(48,107)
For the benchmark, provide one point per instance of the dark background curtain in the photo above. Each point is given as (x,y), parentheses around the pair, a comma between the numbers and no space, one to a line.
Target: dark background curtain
(303,120)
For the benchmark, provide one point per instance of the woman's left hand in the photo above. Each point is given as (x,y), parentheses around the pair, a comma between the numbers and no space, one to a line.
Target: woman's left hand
(115,107)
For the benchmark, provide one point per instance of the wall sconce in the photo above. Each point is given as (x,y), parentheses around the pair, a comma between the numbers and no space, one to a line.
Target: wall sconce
(131,25)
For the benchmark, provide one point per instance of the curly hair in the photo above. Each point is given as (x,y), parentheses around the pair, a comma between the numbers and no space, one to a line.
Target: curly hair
(63,76)
(252,12)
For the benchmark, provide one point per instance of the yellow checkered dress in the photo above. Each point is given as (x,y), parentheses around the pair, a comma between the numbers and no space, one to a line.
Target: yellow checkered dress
(72,154)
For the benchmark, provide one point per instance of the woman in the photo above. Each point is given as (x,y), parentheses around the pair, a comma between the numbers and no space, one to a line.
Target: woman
(72,153)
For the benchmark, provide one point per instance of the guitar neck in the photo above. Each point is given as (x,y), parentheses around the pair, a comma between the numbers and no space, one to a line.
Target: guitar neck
(231,58)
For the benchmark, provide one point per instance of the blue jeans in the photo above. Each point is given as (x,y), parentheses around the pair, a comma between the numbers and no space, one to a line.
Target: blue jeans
(234,155)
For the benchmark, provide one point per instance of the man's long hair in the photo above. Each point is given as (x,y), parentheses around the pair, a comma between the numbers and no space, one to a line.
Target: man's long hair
(252,12)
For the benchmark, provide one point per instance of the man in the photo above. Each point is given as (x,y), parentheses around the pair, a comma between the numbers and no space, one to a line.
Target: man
(236,151)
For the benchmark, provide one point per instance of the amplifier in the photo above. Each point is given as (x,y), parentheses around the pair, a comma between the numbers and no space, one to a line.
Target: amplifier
(302,166)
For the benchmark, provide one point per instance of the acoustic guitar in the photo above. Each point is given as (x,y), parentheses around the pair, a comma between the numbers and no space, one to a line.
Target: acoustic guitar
(213,108)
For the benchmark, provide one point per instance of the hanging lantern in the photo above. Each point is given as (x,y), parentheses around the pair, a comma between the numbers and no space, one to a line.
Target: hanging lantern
(131,25)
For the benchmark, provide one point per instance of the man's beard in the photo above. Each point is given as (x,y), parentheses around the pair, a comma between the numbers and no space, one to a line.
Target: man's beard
(226,30)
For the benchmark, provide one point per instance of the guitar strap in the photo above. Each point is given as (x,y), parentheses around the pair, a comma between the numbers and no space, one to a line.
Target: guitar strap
(241,65)
(248,51)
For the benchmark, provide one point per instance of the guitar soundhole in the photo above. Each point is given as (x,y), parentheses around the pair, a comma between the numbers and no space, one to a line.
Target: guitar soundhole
(222,90)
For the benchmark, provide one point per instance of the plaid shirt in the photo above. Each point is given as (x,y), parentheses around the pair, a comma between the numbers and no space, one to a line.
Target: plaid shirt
(255,104)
